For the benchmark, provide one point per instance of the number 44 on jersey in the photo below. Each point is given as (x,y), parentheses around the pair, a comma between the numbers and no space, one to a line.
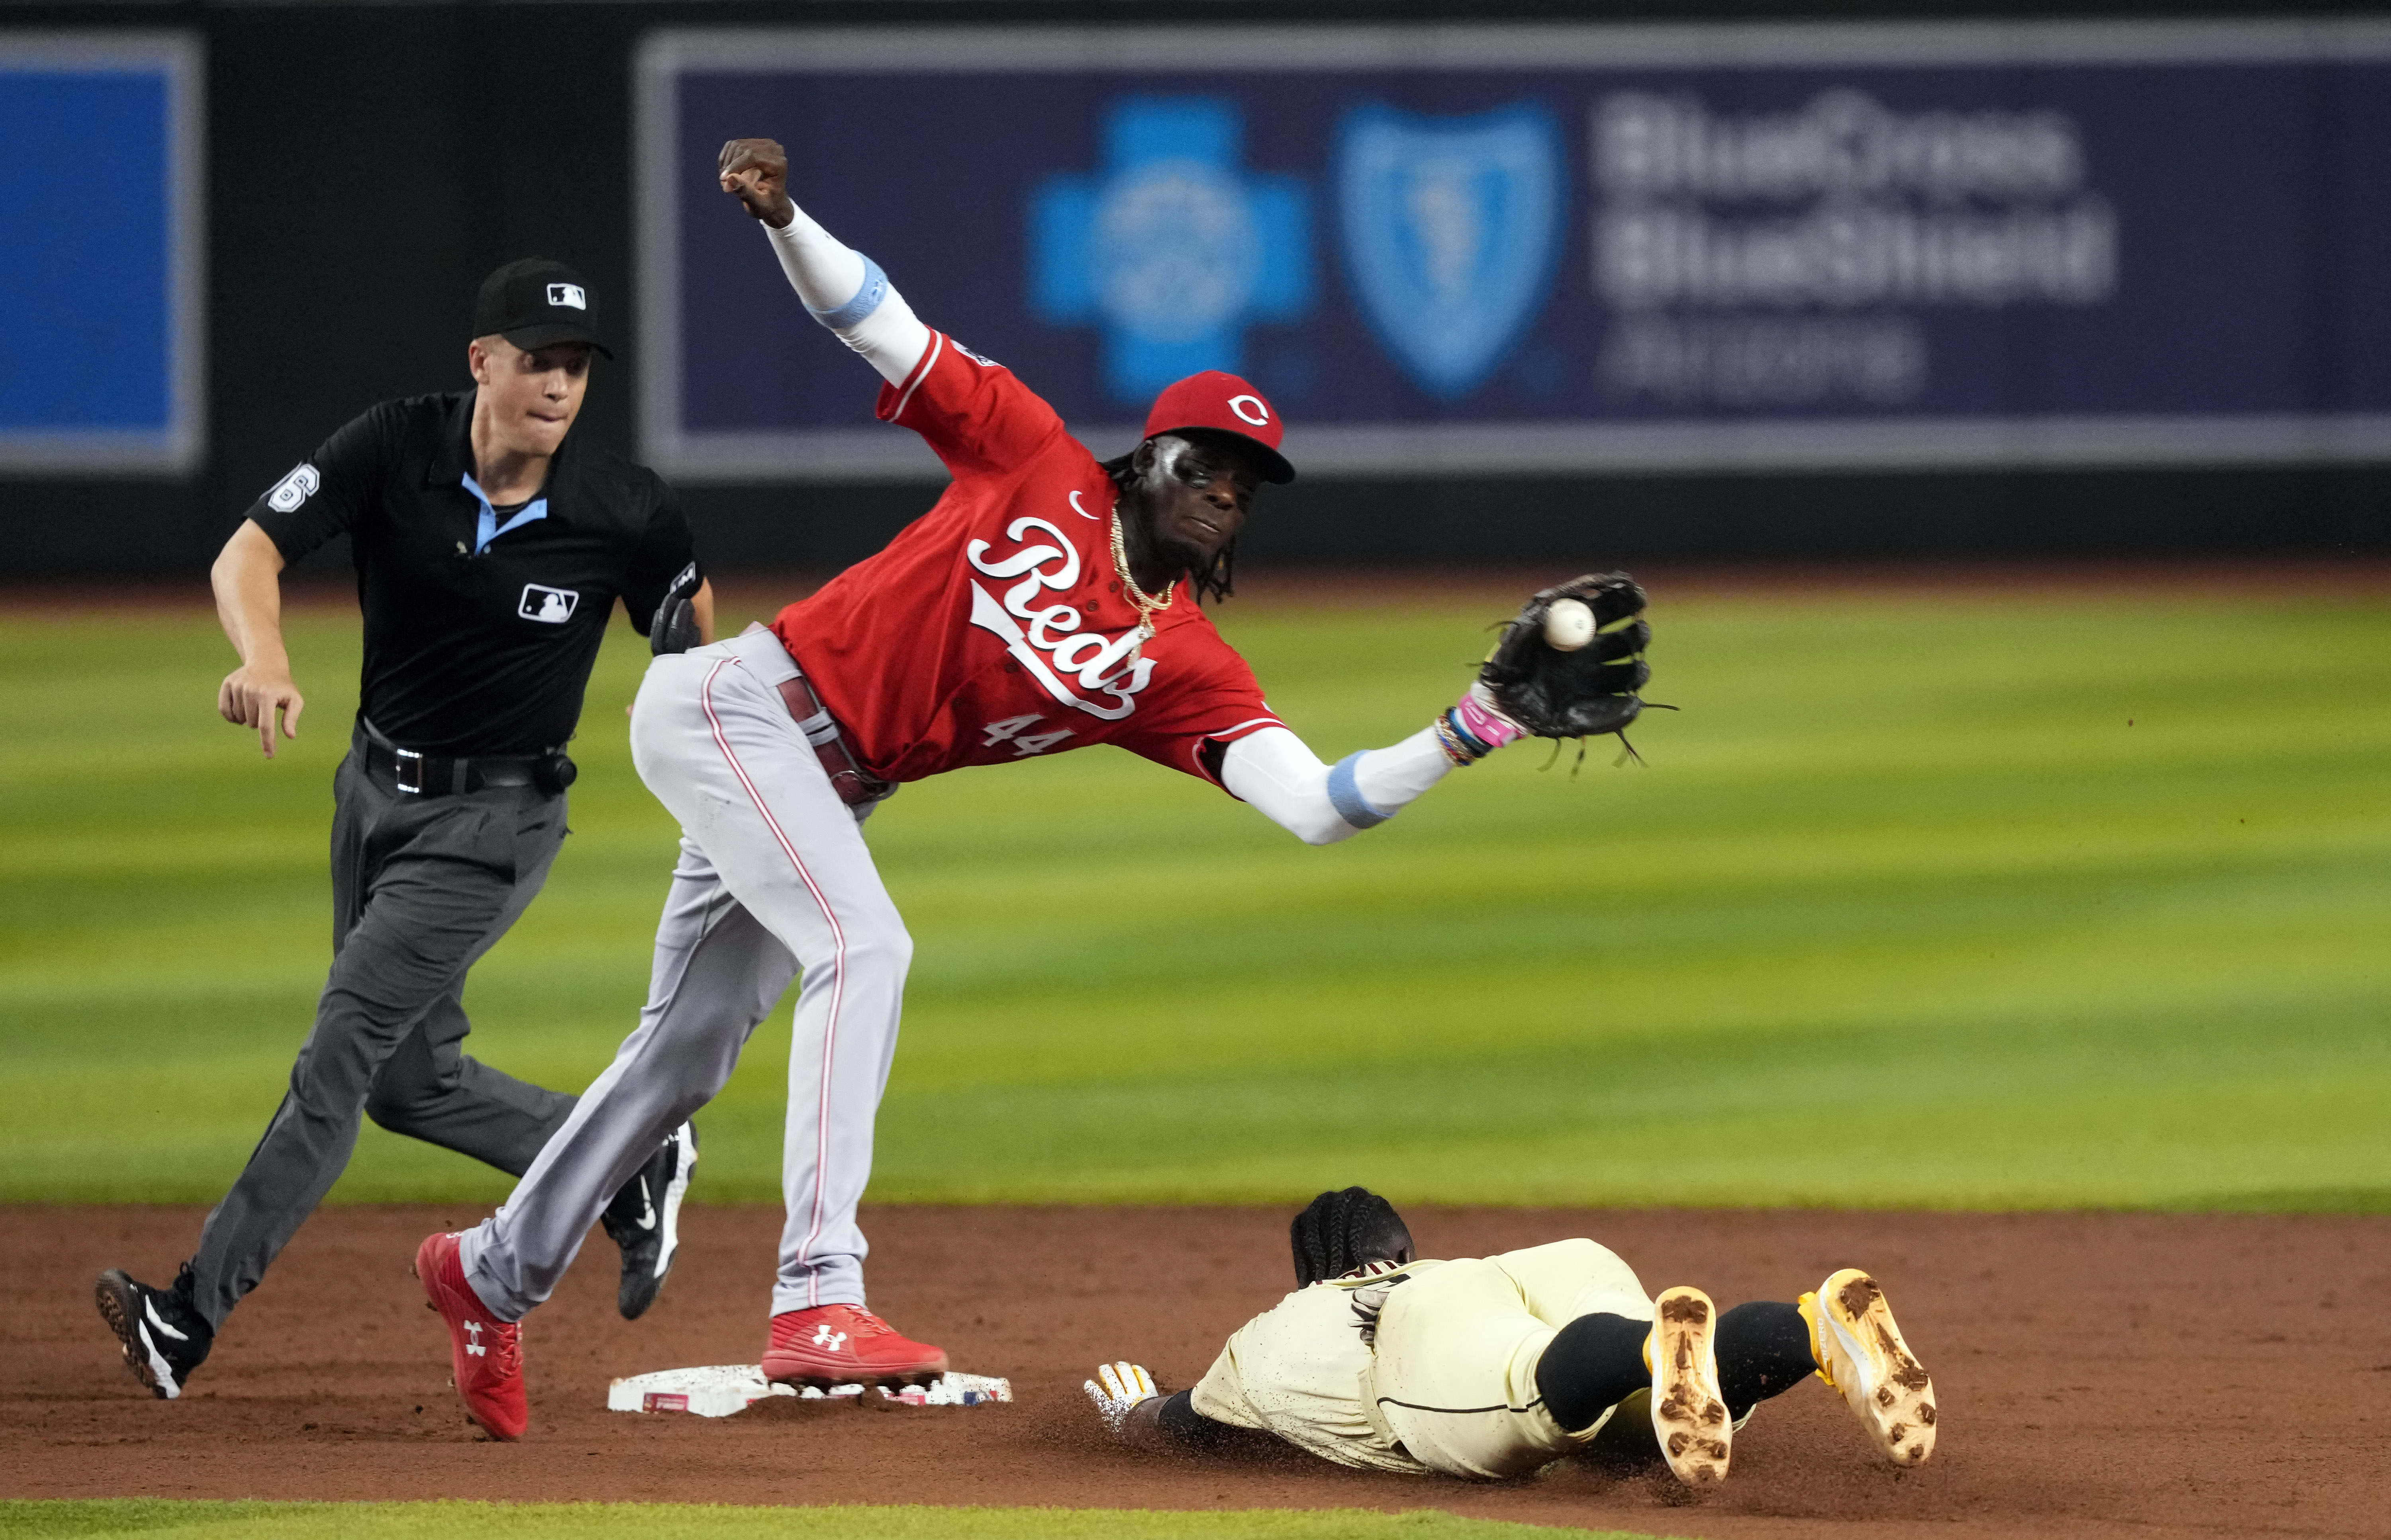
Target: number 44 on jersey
(1025,742)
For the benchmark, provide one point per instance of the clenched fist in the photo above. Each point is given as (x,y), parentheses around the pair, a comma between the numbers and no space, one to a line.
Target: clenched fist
(755,171)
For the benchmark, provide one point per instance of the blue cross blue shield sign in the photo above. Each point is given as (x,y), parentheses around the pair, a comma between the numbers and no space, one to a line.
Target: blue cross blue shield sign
(1453,226)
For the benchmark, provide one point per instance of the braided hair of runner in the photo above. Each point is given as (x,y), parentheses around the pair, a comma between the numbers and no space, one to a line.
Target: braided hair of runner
(1339,1232)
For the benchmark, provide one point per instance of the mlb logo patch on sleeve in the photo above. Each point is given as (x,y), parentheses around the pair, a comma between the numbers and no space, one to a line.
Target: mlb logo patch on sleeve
(552,605)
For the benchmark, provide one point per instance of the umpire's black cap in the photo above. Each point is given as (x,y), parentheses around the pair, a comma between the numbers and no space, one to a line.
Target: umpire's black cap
(534,303)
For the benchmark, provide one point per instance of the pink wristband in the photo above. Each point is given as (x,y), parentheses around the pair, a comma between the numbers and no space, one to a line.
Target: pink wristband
(1484,724)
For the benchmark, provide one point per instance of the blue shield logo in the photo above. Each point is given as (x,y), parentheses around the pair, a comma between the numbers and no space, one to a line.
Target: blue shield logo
(1451,230)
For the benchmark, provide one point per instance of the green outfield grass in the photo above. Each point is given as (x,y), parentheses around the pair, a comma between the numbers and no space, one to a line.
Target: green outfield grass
(157,1519)
(1948,901)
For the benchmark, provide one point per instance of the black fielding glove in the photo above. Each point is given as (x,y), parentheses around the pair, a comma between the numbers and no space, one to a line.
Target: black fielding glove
(1583,694)
(674,629)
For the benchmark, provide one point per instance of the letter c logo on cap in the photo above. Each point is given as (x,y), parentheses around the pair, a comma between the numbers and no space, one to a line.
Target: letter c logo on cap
(1250,409)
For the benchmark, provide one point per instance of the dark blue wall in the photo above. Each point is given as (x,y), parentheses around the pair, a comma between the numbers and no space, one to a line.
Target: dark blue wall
(369,164)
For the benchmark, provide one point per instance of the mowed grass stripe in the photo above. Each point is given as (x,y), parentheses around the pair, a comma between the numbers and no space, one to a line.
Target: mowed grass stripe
(1900,874)
(163,1520)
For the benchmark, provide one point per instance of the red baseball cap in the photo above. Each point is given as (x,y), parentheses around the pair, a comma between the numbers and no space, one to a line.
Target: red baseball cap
(1225,404)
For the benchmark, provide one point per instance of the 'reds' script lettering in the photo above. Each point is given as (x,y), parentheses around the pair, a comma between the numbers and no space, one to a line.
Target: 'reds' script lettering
(1046,638)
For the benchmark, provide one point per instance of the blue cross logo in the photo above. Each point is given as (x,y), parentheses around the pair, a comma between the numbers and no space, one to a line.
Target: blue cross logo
(1172,248)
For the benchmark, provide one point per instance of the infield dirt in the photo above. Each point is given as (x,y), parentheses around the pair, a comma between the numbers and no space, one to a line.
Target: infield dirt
(2098,1374)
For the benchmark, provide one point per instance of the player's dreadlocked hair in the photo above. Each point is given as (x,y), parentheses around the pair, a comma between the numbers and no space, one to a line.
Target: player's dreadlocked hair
(1215,582)
(1344,1231)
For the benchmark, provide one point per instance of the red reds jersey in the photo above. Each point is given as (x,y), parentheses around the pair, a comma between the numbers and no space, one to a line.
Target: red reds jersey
(994,626)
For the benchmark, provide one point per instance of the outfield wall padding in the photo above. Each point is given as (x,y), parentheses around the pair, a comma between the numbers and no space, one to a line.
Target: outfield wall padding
(366,165)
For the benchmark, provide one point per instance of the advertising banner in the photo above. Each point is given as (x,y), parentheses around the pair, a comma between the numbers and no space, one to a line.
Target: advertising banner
(1554,247)
(100,221)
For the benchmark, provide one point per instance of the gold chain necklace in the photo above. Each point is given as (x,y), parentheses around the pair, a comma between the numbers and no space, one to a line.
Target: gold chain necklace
(1147,605)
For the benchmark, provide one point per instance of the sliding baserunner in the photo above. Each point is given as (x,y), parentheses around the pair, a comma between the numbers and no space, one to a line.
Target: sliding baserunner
(1488,1368)
(1048,602)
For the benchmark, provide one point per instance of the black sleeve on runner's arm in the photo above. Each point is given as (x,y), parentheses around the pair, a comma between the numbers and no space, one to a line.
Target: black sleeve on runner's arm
(1192,1430)
(323,494)
(666,553)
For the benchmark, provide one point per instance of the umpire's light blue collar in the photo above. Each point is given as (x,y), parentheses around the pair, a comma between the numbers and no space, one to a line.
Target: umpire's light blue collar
(486,527)
(452,467)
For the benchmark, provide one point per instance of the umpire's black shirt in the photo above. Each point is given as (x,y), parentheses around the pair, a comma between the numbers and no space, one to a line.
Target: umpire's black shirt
(472,648)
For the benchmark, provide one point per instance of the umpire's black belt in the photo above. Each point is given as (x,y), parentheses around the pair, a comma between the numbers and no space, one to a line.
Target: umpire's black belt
(414,775)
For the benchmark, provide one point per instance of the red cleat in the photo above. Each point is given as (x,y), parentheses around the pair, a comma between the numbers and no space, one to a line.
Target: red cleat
(485,1354)
(845,1344)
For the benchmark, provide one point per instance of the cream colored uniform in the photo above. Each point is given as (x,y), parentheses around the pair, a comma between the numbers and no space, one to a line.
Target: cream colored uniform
(1450,1385)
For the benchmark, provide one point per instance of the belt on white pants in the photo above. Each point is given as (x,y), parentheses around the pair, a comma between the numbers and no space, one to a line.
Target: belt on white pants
(759,651)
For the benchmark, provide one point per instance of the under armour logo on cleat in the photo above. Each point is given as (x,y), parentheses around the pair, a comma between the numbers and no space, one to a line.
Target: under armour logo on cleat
(825,1336)
(475,1347)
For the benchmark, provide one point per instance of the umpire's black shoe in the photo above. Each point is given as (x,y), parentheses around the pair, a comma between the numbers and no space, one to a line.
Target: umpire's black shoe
(163,1335)
(644,1219)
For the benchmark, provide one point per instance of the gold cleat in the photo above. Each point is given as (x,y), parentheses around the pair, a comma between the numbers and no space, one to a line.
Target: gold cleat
(1860,1353)
(1689,1414)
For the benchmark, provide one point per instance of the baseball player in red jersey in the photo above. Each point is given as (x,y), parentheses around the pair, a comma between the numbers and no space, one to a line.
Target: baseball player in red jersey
(1047,602)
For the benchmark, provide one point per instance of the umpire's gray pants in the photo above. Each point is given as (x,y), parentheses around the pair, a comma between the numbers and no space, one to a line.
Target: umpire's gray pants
(421,887)
(773,874)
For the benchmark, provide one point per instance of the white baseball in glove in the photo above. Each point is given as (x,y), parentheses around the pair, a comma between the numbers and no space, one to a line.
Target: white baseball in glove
(1116,1389)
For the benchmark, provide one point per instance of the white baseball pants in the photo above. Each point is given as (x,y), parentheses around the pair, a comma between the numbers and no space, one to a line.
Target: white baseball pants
(774,878)
(1453,1373)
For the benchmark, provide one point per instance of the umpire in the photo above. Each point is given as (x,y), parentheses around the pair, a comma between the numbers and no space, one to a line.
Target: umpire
(490,549)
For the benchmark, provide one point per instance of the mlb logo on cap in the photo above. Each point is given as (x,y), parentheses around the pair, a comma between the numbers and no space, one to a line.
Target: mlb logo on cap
(521,302)
(1224,403)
